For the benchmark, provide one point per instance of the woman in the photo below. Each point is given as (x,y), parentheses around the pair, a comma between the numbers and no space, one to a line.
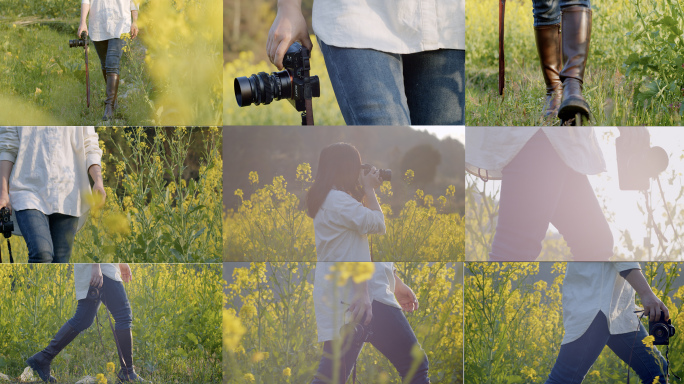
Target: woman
(108,279)
(562,29)
(390,62)
(341,224)
(544,180)
(109,19)
(44,178)
(599,311)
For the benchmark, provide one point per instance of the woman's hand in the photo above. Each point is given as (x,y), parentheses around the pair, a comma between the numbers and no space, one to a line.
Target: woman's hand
(653,307)
(96,276)
(289,26)
(5,201)
(371,180)
(361,307)
(405,295)
(98,183)
(83,27)
(134,30)
(126,274)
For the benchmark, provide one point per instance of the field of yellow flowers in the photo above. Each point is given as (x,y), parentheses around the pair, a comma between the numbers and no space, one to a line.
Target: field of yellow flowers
(176,323)
(272,225)
(269,326)
(514,326)
(157,209)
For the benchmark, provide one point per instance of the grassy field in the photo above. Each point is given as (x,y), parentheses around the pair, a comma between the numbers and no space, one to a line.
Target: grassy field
(634,74)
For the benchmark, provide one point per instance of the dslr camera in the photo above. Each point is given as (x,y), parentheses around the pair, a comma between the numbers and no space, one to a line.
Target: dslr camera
(6,226)
(94,294)
(661,330)
(82,42)
(293,83)
(638,163)
(385,174)
(355,334)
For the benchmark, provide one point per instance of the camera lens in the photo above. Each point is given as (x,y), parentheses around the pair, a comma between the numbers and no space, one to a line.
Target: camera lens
(262,88)
(660,332)
(386,174)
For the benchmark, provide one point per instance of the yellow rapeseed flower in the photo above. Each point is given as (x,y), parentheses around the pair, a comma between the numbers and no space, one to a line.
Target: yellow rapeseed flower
(648,341)
(249,377)
(110,367)
(287,372)
(101,379)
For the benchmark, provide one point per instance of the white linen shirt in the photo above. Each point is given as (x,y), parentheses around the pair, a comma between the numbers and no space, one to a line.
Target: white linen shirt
(331,301)
(394,26)
(109,18)
(490,149)
(50,172)
(341,226)
(83,273)
(590,287)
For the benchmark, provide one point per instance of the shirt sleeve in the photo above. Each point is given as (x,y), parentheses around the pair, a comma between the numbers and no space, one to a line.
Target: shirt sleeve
(353,215)
(92,147)
(625,266)
(85,2)
(133,6)
(9,144)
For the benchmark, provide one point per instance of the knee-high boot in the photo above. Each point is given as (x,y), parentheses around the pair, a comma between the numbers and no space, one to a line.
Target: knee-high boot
(548,39)
(576,36)
(40,362)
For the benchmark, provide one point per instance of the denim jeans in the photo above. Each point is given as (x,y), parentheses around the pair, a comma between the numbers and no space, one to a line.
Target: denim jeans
(114,298)
(392,336)
(378,88)
(576,358)
(49,238)
(548,12)
(109,52)
(538,188)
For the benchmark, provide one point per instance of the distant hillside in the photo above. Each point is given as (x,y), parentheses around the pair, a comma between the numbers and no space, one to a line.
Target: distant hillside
(273,151)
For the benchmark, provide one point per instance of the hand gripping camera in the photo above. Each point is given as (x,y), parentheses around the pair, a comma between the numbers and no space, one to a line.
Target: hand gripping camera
(94,294)
(638,162)
(385,174)
(661,330)
(294,84)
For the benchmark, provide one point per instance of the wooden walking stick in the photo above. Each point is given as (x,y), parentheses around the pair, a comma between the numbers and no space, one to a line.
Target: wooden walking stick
(87,72)
(502,62)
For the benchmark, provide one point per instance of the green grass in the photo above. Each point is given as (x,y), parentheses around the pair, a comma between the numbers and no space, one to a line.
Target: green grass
(43,77)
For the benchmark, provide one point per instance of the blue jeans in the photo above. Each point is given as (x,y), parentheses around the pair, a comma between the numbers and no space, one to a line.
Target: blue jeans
(49,238)
(548,12)
(538,188)
(109,52)
(379,88)
(116,301)
(392,336)
(576,358)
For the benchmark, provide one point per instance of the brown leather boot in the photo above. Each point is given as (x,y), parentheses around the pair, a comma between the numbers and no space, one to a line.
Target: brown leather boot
(576,24)
(111,91)
(549,48)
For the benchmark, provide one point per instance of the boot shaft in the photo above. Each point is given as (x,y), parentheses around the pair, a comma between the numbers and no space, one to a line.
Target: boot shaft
(576,37)
(548,38)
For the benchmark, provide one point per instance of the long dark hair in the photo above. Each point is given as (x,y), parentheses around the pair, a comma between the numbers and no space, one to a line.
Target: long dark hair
(338,166)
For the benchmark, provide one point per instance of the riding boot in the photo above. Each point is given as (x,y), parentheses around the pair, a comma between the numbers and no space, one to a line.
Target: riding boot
(125,349)
(40,362)
(576,35)
(549,48)
(111,91)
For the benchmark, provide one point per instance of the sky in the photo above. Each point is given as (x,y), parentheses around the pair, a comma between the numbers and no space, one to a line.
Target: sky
(621,206)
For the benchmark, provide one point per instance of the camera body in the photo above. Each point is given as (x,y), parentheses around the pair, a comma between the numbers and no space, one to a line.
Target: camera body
(6,225)
(294,83)
(638,162)
(355,334)
(661,330)
(82,42)
(94,294)
(385,174)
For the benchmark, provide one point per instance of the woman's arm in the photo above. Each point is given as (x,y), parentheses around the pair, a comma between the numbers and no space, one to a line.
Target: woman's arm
(134,24)
(405,295)
(95,172)
(5,172)
(651,303)
(83,26)
(370,181)
(289,26)
(96,276)
(361,307)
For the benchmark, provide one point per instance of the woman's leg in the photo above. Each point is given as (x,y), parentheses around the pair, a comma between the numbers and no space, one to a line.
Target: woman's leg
(576,36)
(647,362)
(531,187)
(35,228)
(324,374)
(576,358)
(368,84)
(101,48)
(435,86)
(82,319)
(117,303)
(394,338)
(63,231)
(548,38)
(111,68)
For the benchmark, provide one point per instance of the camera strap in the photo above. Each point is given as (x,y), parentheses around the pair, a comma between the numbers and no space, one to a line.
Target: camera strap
(307,114)
(9,248)
(116,340)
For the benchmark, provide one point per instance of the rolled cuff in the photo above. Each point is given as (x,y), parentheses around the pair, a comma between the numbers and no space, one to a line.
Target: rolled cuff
(93,160)
(8,157)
